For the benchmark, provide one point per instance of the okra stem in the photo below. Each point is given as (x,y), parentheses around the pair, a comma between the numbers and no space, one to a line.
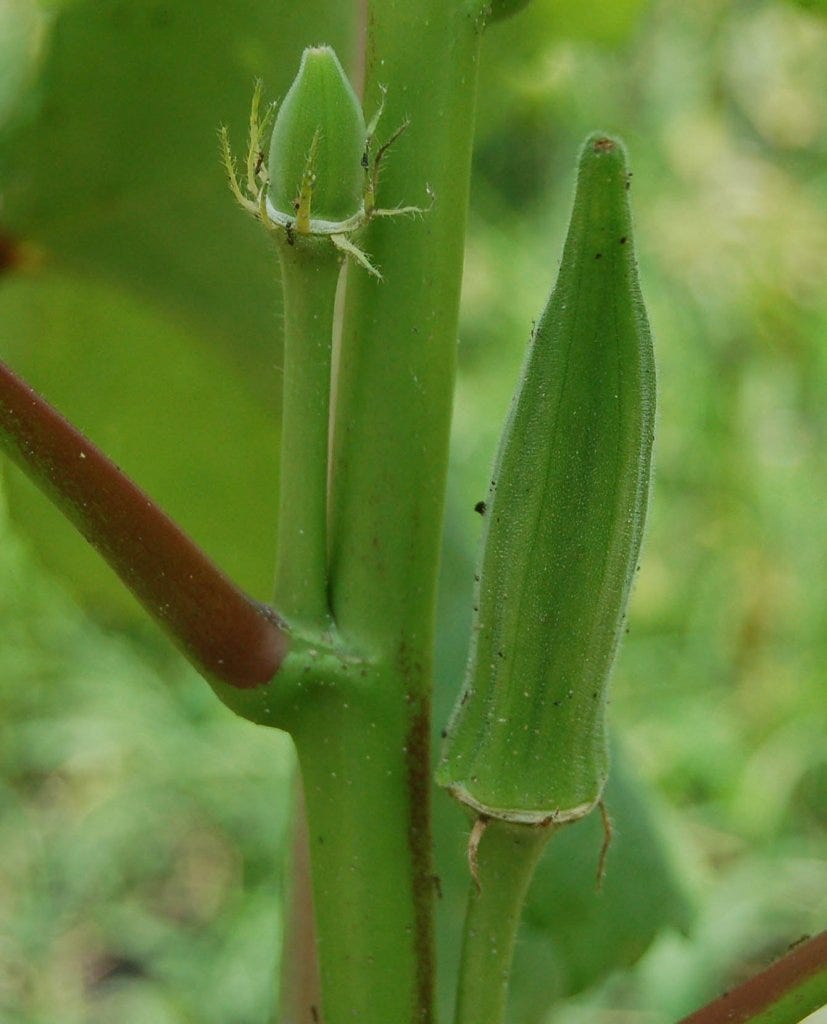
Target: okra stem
(310,272)
(503,864)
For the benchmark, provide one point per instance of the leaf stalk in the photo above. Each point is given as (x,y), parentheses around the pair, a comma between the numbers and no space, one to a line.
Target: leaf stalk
(229,638)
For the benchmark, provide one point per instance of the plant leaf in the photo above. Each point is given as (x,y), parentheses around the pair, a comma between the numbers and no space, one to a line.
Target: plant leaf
(146,307)
(187,429)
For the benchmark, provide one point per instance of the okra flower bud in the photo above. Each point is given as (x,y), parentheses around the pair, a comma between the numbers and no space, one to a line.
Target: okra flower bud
(565,515)
(318,142)
(320,182)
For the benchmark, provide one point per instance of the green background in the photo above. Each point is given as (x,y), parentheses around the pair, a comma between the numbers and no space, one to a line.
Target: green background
(142,827)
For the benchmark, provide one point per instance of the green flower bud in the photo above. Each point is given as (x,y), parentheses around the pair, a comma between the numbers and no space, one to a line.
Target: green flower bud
(565,517)
(318,142)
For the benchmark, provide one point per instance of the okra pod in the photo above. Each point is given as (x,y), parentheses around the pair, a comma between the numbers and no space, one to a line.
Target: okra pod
(565,515)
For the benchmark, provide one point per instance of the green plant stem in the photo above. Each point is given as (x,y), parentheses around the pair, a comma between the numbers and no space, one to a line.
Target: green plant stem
(395,388)
(375,958)
(310,272)
(504,863)
(363,738)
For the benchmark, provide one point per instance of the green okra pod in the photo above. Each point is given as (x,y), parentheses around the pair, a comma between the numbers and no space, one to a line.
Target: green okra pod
(565,515)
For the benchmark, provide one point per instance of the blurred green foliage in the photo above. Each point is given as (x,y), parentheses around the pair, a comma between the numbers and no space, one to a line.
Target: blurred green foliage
(142,828)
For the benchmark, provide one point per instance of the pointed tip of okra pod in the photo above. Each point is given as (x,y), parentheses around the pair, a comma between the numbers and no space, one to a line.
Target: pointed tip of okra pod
(603,151)
(600,143)
(601,147)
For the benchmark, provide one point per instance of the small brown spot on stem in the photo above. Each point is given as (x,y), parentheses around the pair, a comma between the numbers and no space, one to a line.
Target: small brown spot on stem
(603,145)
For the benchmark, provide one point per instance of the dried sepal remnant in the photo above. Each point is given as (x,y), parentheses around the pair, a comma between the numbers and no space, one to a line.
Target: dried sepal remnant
(318,178)
(564,520)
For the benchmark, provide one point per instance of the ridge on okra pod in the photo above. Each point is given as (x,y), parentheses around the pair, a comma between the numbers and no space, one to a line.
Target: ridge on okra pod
(564,521)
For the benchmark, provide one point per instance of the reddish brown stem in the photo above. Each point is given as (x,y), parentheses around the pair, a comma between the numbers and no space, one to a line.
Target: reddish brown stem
(227,636)
(300,990)
(801,965)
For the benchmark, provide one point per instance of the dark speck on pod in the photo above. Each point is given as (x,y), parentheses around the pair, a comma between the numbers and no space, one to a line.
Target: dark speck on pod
(480,507)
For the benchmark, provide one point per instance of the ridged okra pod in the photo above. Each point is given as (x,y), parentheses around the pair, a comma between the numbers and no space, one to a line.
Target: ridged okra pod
(565,515)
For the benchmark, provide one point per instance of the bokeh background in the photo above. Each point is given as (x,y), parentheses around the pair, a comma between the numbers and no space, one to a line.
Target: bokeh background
(143,829)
